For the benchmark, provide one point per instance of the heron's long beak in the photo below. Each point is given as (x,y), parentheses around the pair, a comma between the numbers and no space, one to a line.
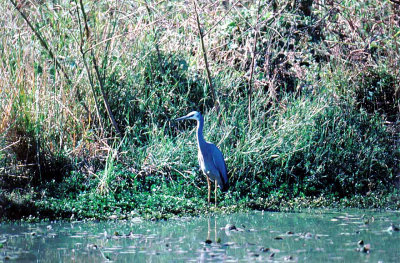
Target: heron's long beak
(184,117)
(181,118)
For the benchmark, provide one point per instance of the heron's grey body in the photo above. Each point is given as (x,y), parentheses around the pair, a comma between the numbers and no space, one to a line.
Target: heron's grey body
(210,158)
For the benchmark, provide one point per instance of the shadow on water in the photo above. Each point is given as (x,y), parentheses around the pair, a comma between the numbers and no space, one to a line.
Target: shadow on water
(315,236)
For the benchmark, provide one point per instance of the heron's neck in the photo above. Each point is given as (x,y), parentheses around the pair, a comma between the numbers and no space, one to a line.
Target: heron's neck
(200,137)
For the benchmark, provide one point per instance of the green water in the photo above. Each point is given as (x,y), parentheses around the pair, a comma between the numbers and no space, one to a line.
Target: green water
(313,236)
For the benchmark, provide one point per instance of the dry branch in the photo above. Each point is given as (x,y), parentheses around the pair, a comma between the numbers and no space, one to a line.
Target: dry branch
(98,75)
(43,42)
(201,35)
(250,90)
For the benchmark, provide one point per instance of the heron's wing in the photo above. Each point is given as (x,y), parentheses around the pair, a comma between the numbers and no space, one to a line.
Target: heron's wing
(219,163)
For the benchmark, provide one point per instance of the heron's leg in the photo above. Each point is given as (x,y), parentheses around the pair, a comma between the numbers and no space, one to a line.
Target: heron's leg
(215,193)
(209,229)
(215,228)
(209,189)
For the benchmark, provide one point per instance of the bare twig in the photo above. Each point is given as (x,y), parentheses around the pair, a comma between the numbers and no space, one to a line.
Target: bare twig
(42,40)
(250,90)
(44,44)
(219,21)
(201,35)
(108,42)
(99,78)
(156,40)
(90,77)
(11,145)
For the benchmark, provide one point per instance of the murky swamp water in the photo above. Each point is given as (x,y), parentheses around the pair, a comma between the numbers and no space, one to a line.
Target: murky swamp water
(313,236)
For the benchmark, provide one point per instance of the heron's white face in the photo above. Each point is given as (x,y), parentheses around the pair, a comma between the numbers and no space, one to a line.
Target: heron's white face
(194,115)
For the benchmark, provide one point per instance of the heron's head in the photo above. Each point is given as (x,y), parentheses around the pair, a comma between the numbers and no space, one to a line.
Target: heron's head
(194,115)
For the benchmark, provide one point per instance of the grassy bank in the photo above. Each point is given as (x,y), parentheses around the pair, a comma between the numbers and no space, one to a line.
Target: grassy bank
(303,100)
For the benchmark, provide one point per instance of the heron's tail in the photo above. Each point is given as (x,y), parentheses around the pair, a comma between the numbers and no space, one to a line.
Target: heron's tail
(224,186)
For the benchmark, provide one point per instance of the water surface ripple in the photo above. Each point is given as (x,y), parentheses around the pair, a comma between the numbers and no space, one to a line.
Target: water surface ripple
(313,236)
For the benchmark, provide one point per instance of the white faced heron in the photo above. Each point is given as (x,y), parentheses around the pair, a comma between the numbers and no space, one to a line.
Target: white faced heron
(210,158)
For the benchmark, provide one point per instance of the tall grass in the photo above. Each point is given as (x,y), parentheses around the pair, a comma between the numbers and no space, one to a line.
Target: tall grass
(324,94)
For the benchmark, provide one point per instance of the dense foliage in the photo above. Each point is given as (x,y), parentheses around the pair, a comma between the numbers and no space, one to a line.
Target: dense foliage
(303,102)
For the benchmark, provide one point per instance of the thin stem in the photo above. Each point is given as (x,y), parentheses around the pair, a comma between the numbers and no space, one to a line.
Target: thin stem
(155,40)
(201,35)
(89,73)
(250,91)
(99,78)
(44,44)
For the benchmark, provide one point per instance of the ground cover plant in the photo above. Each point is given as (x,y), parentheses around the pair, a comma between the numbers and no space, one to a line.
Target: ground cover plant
(302,97)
